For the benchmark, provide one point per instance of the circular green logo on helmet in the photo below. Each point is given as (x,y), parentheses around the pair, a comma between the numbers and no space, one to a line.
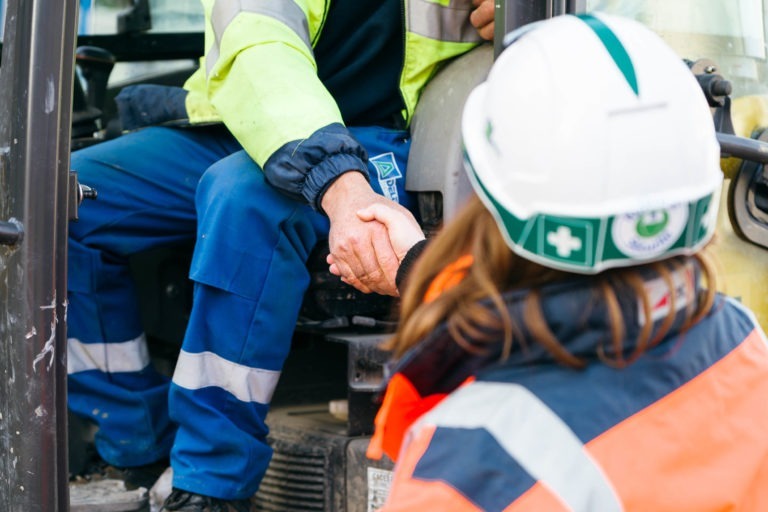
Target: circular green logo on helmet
(652,223)
(645,235)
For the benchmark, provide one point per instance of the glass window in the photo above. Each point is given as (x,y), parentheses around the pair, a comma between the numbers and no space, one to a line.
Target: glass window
(729,32)
(2,17)
(100,16)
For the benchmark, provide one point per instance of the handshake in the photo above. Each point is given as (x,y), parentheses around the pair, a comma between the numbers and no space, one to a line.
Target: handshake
(369,236)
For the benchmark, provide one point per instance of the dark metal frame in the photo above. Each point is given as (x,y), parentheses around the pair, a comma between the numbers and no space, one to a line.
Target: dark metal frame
(35,99)
(130,47)
(511,15)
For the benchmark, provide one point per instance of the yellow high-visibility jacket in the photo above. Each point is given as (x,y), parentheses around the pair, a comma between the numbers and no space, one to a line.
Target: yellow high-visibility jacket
(259,77)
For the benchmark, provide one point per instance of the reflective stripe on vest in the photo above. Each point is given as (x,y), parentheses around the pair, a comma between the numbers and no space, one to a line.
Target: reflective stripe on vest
(126,356)
(534,436)
(224,11)
(442,22)
(206,369)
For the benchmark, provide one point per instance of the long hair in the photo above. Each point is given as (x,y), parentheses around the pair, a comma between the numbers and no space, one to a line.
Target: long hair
(475,312)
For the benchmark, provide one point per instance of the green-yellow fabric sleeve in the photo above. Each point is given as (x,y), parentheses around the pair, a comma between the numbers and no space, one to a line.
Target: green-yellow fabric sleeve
(264,85)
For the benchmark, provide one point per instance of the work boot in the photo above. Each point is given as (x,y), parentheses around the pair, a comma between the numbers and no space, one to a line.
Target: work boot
(186,501)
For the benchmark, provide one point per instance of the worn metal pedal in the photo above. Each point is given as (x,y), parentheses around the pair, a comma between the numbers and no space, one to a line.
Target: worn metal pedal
(107,496)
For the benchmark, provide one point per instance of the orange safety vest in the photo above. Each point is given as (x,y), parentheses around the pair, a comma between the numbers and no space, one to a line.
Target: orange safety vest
(682,428)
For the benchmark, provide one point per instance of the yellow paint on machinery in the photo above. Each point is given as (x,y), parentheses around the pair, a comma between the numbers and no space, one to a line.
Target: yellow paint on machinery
(742,266)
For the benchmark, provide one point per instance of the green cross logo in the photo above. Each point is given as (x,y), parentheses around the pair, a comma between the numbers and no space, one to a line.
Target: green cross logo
(563,241)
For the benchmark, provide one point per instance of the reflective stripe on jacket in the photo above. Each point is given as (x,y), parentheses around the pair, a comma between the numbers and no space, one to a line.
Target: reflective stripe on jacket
(255,48)
(682,428)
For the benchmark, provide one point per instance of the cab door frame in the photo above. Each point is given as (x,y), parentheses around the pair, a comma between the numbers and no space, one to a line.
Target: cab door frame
(36,80)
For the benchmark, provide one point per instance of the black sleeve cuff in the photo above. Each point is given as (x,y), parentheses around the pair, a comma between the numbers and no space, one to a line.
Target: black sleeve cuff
(408,261)
(304,169)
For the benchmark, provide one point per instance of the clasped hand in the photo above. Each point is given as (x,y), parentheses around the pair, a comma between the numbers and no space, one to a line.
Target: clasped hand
(369,235)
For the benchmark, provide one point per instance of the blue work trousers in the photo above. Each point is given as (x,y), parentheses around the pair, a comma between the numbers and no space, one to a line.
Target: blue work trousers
(169,186)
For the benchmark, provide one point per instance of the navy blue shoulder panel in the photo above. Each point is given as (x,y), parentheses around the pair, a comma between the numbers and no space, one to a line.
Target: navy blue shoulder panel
(599,397)
(487,475)
(303,169)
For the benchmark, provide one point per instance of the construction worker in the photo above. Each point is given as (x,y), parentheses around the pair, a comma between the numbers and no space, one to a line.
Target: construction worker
(295,120)
(561,344)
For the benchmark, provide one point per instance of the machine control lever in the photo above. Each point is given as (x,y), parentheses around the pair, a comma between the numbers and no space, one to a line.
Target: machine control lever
(78,192)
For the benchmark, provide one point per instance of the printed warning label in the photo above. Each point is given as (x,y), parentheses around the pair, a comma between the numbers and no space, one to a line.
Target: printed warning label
(379,481)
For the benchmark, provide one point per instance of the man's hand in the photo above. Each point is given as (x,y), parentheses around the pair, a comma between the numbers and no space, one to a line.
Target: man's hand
(482,18)
(361,252)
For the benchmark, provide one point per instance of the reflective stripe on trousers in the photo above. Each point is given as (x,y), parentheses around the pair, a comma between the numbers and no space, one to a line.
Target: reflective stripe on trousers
(159,187)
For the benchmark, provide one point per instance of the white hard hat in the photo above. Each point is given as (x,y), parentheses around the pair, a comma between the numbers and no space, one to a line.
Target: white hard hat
(593,146)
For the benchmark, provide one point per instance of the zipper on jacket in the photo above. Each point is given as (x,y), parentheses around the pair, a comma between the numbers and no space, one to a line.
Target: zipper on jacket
(322,22)
(407,119)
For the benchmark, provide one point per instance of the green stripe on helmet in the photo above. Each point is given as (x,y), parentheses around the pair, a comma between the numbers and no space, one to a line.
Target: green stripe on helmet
(593,244)
(615,49)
